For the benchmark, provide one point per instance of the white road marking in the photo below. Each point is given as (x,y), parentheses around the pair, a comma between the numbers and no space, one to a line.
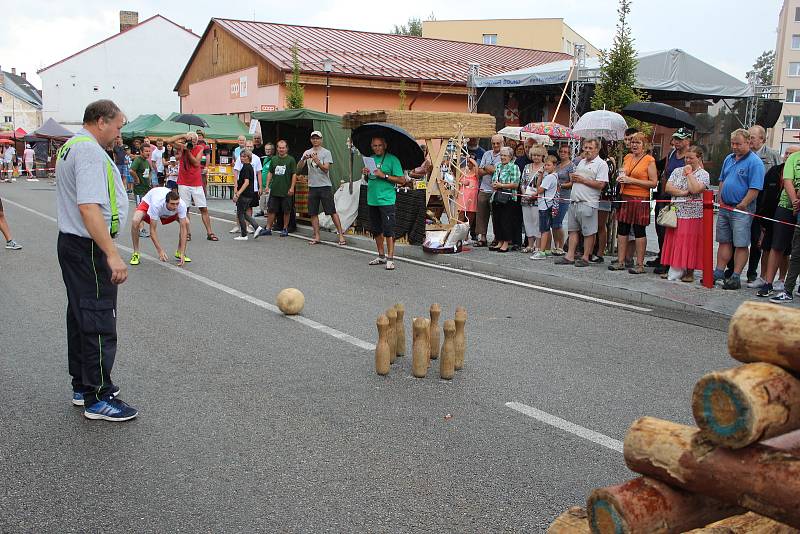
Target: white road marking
(233,292)
(563,424)
(483,276)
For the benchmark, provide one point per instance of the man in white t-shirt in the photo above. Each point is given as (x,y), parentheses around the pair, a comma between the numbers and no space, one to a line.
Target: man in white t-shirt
(9,158)
(165,205)
(157,163)
(256,163)
(588,180)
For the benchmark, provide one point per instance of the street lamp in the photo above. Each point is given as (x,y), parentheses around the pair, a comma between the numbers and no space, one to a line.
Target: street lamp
(327,66)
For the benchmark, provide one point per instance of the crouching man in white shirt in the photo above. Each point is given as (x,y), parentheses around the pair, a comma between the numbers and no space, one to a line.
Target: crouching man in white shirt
(160,203)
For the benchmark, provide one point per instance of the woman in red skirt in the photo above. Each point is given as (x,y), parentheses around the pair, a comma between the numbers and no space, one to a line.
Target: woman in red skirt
(683,246)
(637,176)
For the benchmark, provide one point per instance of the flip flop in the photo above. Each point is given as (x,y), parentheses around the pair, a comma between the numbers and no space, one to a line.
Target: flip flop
(342,242)
(212,237)
(314,242)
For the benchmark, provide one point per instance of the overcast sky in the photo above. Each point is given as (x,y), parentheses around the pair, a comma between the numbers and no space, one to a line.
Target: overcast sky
(728,34)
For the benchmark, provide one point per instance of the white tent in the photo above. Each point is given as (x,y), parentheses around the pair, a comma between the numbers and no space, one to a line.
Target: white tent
(669,71)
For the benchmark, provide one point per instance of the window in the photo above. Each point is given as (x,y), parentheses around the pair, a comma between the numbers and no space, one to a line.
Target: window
(793,96)
(1,99)
(797,14)
(794,68)
(792,122)
(490,38)
(7,118)
(795,42)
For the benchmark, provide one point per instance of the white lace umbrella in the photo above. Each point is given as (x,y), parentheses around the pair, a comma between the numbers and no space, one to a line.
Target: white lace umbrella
(515,132)
(601,123)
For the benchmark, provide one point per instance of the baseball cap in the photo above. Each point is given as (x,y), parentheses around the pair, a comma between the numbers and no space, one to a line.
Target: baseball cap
(683,133)
(316,133)
(172,159)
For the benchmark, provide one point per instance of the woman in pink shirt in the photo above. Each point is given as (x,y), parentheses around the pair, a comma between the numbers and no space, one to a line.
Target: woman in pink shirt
(27,156)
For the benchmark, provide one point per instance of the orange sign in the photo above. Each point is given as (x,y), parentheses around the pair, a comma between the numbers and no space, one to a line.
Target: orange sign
(238,87)
(269,107)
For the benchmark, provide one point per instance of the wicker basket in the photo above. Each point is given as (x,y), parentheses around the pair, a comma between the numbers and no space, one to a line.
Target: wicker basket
(427,124)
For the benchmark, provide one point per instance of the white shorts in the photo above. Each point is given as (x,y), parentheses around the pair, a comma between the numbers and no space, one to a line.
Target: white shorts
(189,193)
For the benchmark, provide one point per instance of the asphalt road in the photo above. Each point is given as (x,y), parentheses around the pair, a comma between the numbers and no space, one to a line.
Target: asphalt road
(252,422)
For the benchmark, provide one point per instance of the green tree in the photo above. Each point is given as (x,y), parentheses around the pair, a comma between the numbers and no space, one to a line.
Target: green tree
(763,68)
(615,86)
(294,90)
(413,27)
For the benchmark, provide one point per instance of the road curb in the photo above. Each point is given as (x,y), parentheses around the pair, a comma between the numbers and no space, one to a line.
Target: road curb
(457,261)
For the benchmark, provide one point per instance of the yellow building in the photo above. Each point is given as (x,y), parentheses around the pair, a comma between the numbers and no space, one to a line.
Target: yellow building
(552,35)
(787,75)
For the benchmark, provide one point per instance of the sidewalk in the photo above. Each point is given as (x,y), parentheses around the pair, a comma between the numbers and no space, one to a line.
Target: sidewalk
(595,280)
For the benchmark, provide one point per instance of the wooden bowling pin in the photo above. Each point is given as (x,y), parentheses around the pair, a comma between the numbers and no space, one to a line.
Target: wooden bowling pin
(436,335)
(461,309)
(391,314)
(382,351)
(401,329)
(448,360)
(461,338)
(419,348)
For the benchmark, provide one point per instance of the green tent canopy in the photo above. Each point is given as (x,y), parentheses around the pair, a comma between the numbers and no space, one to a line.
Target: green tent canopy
(138,126)
(220,127)
(295,127)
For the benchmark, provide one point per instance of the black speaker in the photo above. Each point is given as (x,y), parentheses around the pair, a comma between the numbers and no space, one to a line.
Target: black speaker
(769,113)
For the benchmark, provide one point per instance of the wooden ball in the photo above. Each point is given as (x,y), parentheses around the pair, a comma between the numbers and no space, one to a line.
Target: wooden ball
(291,301)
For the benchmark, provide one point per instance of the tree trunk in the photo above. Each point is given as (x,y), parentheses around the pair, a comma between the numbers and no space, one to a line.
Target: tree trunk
(763,332)
(748,523)
(749,403)
(761,478)
(644,505)
(573,521)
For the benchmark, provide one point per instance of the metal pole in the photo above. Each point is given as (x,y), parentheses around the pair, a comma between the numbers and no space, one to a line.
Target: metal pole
(575,92)
(327,90)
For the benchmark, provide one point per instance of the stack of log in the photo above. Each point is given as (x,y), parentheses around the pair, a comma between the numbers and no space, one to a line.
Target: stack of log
(738,471)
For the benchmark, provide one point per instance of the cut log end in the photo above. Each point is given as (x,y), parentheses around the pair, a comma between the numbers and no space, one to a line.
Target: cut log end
(722,411)
(605,517)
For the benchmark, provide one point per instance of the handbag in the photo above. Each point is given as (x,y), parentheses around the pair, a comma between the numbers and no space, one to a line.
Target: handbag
(501,197)
(668,217)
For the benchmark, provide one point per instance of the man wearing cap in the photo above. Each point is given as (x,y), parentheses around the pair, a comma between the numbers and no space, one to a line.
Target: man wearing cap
(320,188)
(681,140)
(92,206)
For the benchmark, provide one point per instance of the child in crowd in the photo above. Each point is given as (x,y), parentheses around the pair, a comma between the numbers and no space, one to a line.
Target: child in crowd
(172,173)
(468,195)
(547,202)
(128,178)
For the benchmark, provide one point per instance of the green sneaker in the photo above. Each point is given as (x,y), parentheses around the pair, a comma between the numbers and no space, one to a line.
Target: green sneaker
(135,259)
(187,259)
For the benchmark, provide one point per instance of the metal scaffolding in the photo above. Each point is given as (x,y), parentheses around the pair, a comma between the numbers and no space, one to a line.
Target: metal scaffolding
(576,89)
(758,93)
(472,93)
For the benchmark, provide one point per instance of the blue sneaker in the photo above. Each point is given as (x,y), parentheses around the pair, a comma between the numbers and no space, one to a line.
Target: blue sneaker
(284,232)
(110,410)
(266,231)
(77,398)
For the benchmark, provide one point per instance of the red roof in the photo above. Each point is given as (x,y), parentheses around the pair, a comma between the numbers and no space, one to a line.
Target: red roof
(367,54)
(19,133)
(114,36)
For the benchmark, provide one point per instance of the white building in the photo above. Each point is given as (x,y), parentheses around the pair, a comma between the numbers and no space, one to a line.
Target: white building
(137,68)
(787,75)
(20,102)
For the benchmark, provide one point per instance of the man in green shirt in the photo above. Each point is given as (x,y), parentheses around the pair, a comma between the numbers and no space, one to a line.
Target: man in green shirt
(140,170)
(281,180)
(381,198)
(785,233)
(269,150)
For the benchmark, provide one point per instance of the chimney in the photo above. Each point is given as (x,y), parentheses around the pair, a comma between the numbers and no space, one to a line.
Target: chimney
(14,71)
(127,20)
(23,76)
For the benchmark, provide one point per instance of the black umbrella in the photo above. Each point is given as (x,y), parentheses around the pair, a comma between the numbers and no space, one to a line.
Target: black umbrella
(399,142)
(191,120)
(661,114)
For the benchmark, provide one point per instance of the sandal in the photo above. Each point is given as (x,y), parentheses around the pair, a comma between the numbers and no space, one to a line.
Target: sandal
(377,261)
(212,237)
(616,266)
(390,265)
(638,269)
(342,241)
(480,244)
(314,242)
